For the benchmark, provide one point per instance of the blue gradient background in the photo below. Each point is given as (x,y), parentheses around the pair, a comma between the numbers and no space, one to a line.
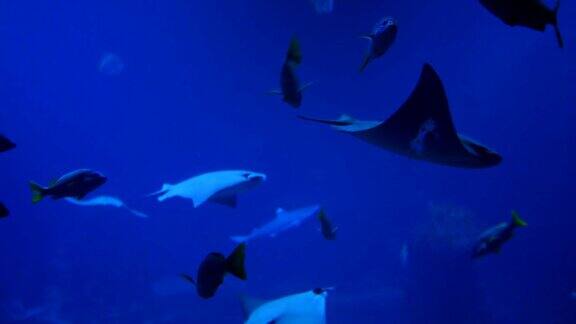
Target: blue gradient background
(192,98)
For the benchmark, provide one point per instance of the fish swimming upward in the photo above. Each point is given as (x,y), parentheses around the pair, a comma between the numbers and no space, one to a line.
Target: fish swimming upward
(284,220)
(381,39)
(304,308)
(221,187)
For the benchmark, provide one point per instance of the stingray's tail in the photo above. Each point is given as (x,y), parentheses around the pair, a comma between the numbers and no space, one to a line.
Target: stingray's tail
(556,28)
(344,120)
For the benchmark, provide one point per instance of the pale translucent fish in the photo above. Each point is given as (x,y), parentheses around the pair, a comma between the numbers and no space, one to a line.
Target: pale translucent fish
(304,308)
(323,6)
(105,201)
(284,220)
(221,187)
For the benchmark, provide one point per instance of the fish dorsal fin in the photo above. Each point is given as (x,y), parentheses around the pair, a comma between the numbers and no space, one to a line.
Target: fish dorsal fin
(425,112)
(228,200)
(250,304)
(280,211)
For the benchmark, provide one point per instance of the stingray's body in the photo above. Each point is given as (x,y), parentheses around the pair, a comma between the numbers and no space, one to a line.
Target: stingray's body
(220,187)
(304,308)
(533,14)
(421,129)
(283,221)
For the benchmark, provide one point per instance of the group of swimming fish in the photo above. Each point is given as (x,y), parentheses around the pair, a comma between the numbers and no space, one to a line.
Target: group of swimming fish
(421,129)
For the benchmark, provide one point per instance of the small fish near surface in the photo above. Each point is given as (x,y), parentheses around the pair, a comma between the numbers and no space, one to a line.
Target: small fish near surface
(381,39)
(533,14)
(4,212)
(221,187)
(326,227)
(421,129)
(290,87)
(6,144)
(493,239)
(303,308)
(76,184)
(214,268)
(284,220)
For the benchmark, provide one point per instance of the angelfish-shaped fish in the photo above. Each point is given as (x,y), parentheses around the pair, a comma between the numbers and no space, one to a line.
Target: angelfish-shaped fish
(381,38)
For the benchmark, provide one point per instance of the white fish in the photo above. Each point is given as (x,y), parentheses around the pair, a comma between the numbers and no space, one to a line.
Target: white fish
(283,221)
(105,201)
(220,187)
(304,308)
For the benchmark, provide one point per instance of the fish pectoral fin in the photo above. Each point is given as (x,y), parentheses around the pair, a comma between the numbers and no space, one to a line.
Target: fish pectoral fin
(230,200)
(275,92)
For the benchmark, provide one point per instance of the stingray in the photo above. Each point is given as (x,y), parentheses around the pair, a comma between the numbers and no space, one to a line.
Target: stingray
(283,221)
(533,14)
(105,201)
(421,129)
(221,187)
(304,308)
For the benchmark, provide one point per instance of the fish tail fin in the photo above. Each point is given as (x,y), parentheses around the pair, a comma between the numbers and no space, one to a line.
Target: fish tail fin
(235,262)
(165,188)
(294,54)
(517,221)
(365,63)
(556,28)
(38,192)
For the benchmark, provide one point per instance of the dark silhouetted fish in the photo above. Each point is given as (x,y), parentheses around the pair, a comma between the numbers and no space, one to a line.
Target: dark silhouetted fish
(381,38)
(291,89)
(75,184)
(326,227)
(214,268)
(421,129)
(493,239)
(6,144)
(534,14)
(4,212)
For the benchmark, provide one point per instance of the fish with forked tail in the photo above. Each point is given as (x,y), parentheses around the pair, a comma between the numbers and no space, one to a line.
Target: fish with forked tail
(76,184)
(533,14)
(493,239)
(214,268)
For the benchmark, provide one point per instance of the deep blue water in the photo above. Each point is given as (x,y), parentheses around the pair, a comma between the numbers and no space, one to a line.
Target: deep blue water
(191,98)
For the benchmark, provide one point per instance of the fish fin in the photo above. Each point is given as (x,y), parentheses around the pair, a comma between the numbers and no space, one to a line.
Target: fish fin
(235,262)
(188,278)
(239,239)
(294,54)
(250,304)
(38,192)
(427,104)
(558,35)
(365,62)
(517,221)
(306,86)
(275,92)
(344,120)
(229,200)
(165,188)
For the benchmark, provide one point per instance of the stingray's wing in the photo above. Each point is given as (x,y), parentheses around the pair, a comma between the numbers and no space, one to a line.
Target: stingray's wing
(426,110)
